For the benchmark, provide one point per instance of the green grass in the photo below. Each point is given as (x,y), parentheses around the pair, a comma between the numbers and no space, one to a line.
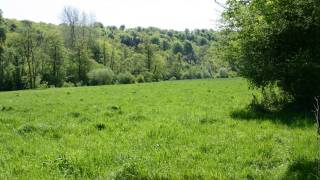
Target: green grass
(169,130)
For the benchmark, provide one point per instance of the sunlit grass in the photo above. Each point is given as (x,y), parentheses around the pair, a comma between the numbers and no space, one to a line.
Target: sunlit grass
(177,130)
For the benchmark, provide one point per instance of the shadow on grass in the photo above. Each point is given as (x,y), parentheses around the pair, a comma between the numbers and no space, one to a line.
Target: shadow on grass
(288,117)
(303,169)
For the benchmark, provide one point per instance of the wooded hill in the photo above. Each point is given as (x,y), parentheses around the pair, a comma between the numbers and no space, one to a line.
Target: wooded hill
(81,51)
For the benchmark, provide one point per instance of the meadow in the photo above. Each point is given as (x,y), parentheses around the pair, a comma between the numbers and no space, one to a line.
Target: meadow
(196,129)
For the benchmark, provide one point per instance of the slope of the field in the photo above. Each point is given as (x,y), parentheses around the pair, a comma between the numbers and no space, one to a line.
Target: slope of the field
(176,130)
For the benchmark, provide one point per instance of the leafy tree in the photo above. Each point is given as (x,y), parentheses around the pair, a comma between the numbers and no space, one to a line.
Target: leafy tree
(55,74)
(176,66)
(279,44)
(149,51)
(14,57)
(155,40)
(177,48)
(138,64)
(188,51)
(70,16)
(202,41)
(2,41)
(122,27)
(29,43)
(104,51)
(101,76)
(165,45)
(80,37)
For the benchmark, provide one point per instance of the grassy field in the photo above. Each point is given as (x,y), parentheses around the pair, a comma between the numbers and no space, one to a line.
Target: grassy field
(169,130)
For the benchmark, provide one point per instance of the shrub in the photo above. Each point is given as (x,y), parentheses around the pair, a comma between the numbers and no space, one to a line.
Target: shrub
(148,77)
(185,75)
(68,84)
(140,78)
(223,73)
(189,75)
(43,85)
(126,78)
(205,74)
(272,99)
(101,76)
(157,77)
(195,73)
(232,74)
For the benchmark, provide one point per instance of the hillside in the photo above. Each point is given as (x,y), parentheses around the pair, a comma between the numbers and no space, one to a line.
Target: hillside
(198,129)
(81,51)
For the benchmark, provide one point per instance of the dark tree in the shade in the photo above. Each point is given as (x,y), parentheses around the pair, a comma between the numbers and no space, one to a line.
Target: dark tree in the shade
(279,44)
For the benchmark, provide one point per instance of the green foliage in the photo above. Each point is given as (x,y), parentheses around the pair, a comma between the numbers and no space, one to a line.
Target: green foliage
(202,41)
(54,72)
(148,76)
(177,48)
(68,84)
(155,40)
(140,78)
(125,78)
(223,72)
(270,99)
(130,40)
(101,76)
(5,78)
(277,43)
(39,53)
(192,73)
(165,45)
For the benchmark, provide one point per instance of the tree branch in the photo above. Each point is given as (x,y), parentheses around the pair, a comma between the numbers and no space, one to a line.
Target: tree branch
(317,112)
(223,5)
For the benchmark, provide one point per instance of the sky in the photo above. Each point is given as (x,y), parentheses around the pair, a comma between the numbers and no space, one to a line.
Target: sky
(166,14)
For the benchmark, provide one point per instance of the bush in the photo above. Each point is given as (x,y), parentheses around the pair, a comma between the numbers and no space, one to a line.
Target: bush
(43,85)
(272,99)
(190,74)
(197,75)
(223,73)
(68,84)
(101,76)
(148,77)
(126,78)
(157,77)
(232,74)
(140,78)
(205,74)
(185,75)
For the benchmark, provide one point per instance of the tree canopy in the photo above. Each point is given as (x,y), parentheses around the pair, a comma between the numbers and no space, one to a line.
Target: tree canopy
(277,42)
(81,51)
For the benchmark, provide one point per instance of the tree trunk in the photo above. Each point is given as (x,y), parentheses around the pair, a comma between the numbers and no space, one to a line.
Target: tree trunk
(79,64)
(1,71)
(317,113)
(55,74)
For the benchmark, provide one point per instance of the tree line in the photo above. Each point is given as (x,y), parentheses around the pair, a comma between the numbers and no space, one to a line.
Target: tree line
(81,51)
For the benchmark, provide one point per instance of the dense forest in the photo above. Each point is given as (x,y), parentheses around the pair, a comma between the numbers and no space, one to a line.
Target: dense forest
(81,51)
